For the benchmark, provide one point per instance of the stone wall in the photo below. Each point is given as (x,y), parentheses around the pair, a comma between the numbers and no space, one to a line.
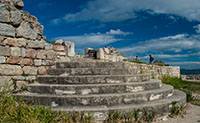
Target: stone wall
(191,77)
(106,53)
(157,72)
(24,53)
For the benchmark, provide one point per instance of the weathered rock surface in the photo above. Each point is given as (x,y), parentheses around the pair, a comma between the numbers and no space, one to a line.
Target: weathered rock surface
(2,59)
(26,31)
(5,51)
(15,51)
(4,13)
(7,30)
(36,44)
(10,69)
(16,17)
(29,70)
(15,42)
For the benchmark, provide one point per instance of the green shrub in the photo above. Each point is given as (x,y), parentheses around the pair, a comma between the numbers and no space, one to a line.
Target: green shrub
(176,109)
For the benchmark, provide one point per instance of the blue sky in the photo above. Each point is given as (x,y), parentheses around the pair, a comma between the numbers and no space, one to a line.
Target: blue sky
(169,30)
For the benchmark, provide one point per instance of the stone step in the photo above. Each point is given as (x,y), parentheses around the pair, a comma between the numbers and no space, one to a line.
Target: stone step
(90,65)
(160,107)
(92,71)
(75,89)
(98,99)
(93,79)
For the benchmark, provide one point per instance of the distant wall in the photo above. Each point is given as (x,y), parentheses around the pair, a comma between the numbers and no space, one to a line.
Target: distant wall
(191,77)
(106,53)
(157,72)
(24,53)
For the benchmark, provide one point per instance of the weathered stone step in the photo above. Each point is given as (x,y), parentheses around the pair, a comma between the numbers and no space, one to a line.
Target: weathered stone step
(92,71)
(90,65)
(160,107)
(93,79)
(94,88)
(99,99)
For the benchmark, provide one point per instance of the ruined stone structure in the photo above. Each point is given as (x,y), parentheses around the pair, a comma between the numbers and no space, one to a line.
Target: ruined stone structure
(106,53)
(156,72)
(70,84)
(24,53)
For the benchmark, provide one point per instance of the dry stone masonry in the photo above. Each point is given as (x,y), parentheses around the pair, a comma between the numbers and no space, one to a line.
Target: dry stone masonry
(24,53)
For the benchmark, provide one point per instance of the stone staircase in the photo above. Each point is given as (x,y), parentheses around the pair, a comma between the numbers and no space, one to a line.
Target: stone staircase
(99,88)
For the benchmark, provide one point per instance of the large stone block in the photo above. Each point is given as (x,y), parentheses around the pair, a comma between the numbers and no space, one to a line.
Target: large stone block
(2,59)
(25,30)
(100,54)
(26,61)
(13,60)
(7,30)
(42,70)
(37,28)
(51,54)
(41,54)
(30,70)
(31,53)
(4,13)
(5,51)
(15,51)
(15,42)
(48,46)
(16,17)
(58,48)
(6,69)
(69,48)
(37,62)
(36,44)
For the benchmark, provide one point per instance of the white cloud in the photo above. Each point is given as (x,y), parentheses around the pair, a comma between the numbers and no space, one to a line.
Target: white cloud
(197,27)
(175,44)
(95,39)
(117,32)
(120,10)
(55,21)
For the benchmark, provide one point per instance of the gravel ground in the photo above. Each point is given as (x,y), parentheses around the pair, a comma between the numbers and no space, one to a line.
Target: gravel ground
(192,115)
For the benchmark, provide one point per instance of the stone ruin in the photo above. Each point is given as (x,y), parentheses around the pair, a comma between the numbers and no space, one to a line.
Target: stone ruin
(106,53)
(24,53)
(55,80)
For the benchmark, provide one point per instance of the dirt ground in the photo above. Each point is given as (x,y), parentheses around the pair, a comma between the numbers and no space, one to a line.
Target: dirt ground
(191,114)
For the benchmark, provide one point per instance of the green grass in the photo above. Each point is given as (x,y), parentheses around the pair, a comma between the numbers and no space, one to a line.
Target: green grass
(139,62)
(16,111)
(186,86)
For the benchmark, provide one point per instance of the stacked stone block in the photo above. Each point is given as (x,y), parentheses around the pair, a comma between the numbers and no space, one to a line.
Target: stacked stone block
(156,71)
(24,53)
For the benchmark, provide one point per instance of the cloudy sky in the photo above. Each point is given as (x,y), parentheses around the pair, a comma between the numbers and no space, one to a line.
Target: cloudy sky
(167,29)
